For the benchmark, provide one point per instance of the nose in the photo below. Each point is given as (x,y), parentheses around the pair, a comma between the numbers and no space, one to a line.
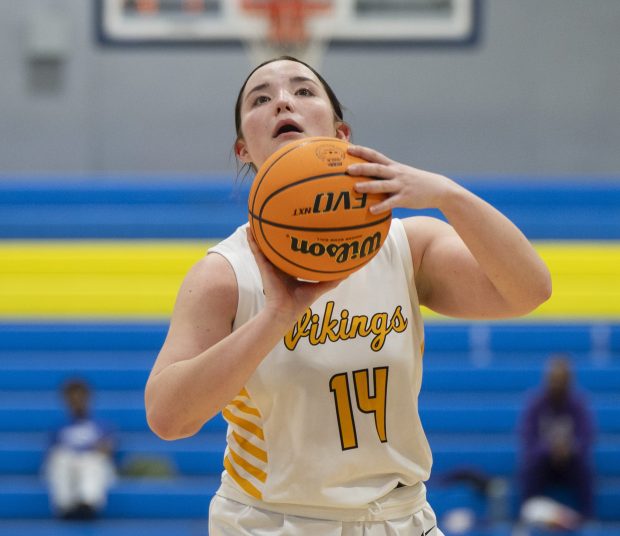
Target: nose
(284,102)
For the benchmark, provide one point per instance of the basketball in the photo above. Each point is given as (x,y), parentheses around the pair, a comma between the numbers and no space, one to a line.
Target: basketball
(306,216)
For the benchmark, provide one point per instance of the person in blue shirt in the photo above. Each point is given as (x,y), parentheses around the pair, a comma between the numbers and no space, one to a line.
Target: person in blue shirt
(79,465)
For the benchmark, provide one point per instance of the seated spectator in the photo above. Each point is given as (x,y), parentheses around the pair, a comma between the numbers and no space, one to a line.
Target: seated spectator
(79,466)
(556,438)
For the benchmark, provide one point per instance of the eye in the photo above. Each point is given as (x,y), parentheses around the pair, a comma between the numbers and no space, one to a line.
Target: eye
(261,99)
(305,92)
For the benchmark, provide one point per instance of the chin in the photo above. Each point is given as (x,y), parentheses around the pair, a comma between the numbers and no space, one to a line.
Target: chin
(290,136)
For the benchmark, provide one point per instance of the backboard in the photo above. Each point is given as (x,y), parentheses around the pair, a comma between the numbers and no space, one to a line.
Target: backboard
(192,22)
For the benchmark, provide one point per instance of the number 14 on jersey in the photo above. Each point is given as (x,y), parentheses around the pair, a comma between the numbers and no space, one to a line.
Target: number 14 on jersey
(339,386)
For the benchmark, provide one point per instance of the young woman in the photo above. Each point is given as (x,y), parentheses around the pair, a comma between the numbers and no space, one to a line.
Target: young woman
(319,381)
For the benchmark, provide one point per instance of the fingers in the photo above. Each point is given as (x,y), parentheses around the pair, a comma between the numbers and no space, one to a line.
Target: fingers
(377,171)
(369,154)
(390,187)
(377,166)
(267,269)
(386,183)
(384,206)
(261,260)
(380,167)
(252,241)
(378,187)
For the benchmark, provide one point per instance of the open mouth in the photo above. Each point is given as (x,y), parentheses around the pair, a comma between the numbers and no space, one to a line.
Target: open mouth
(286,128)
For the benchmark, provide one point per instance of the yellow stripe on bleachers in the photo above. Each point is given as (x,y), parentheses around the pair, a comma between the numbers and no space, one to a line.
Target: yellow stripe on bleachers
(140,279)
(76,279)
(586,280)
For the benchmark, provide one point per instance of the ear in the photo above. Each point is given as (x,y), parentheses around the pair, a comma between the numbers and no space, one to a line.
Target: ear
(343,131)
(241,150)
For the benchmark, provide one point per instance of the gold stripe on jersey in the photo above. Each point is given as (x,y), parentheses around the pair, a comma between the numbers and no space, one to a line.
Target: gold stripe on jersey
(252,469)
(242,406)
(246,455)
(247,486)
(249,447)
(243,423)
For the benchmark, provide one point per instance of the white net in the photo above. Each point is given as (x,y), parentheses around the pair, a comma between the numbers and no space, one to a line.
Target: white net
(289,30)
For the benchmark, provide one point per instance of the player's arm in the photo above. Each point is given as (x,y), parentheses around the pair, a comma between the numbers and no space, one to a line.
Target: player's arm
(478,266)
(200,367)
(492,276)
(203,364)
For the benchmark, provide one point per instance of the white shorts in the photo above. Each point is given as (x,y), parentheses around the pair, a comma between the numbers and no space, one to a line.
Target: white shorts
(78,477)
(231,518)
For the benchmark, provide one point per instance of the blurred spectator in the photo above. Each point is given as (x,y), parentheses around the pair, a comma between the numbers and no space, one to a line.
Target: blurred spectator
(556,438)
(79,466)
(549,515)
(486,504)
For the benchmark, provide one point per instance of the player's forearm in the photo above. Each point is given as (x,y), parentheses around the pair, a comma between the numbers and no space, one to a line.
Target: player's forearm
(182,397)
(504,254)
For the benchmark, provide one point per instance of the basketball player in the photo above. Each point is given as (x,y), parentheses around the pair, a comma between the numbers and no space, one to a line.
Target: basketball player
(319,381)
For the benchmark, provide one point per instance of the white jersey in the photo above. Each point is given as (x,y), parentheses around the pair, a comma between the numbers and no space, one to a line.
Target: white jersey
(329,419)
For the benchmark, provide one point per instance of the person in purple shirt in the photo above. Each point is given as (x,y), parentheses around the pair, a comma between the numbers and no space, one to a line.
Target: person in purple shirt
(557,433)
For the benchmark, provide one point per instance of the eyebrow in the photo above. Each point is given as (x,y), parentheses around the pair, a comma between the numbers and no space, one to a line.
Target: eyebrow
(294,80)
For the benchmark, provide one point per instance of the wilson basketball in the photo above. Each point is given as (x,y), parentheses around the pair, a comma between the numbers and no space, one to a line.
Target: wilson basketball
(306,216)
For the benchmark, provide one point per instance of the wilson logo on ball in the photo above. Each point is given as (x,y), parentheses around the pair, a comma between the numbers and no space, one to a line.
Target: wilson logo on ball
(341,252)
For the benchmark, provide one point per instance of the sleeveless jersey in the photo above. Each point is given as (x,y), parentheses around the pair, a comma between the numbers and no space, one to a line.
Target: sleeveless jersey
(329,419)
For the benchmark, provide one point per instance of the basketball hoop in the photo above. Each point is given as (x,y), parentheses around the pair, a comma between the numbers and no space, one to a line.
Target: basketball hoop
(288,31)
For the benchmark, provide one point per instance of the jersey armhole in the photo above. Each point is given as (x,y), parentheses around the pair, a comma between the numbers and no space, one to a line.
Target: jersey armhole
(402,243)
(234,249)
(404,250)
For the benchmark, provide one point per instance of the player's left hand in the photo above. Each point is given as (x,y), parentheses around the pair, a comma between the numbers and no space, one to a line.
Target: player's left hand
(407,187)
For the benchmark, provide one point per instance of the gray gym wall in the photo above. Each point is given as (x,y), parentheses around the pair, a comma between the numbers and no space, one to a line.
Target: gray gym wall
(538,95)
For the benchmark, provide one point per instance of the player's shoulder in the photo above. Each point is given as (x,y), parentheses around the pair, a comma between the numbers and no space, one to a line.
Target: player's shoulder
(210,284)
(211,275)
(208,294)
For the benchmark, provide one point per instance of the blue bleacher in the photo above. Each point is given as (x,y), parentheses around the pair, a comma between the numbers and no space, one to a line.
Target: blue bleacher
(470,411)
(200,207)
(476,376)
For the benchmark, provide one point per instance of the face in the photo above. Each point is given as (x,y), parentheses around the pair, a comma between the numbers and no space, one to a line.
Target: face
(558,379)
(283,101)
(77,400)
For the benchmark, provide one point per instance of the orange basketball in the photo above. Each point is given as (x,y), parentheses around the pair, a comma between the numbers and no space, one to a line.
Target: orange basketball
(306,216)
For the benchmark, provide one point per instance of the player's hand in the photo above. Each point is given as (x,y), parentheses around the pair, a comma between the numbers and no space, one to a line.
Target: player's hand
(406,186)
(283,293)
